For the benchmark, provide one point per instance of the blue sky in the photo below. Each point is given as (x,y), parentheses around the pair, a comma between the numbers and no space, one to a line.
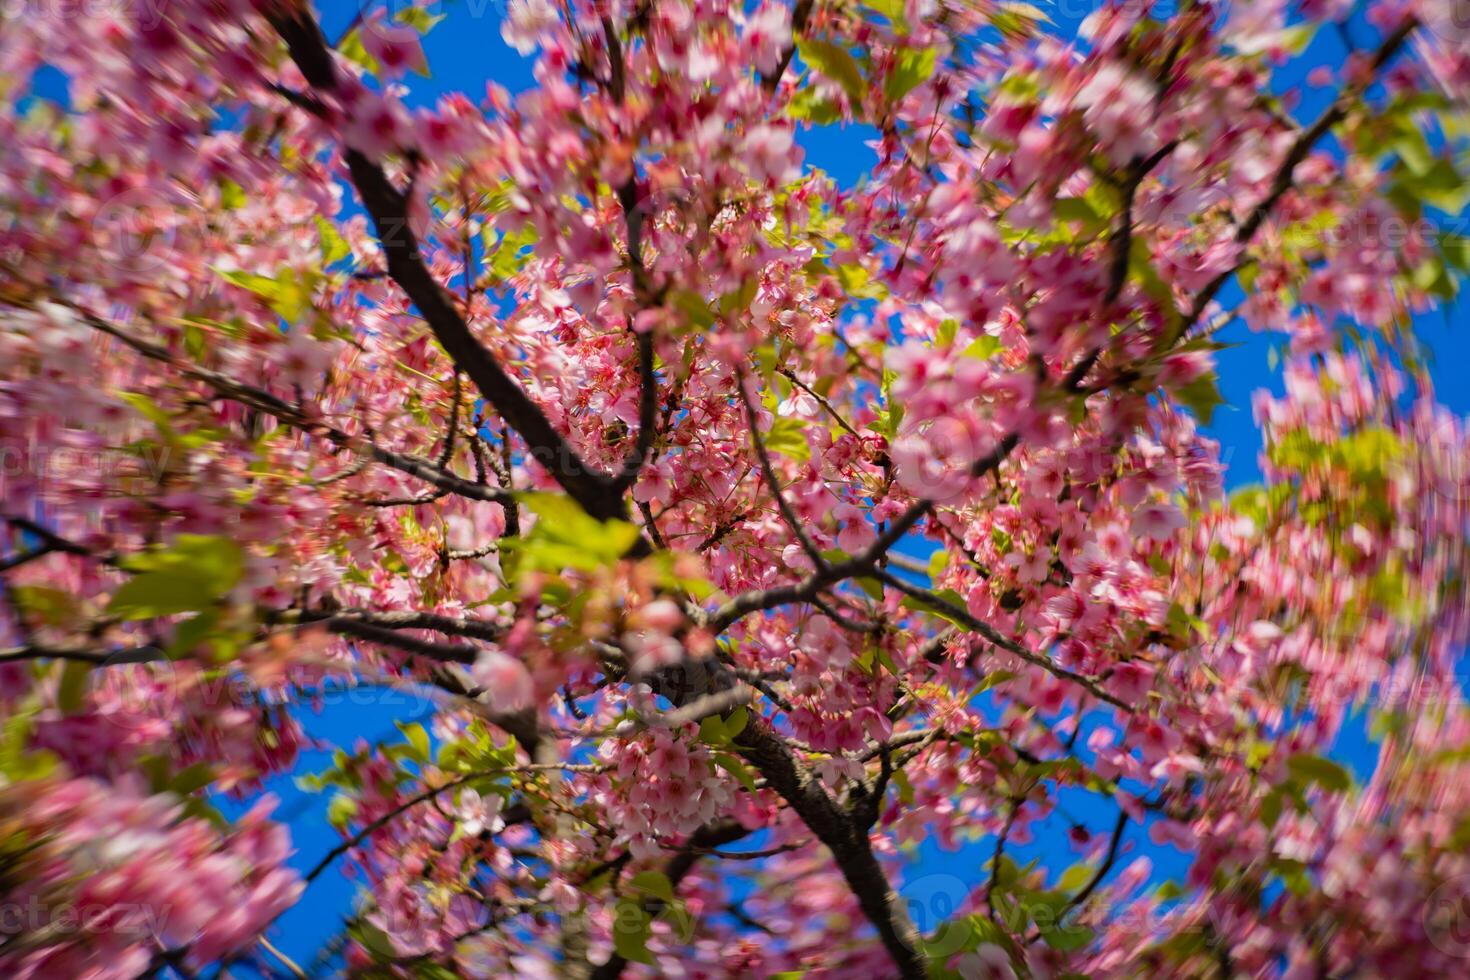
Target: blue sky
(465,52)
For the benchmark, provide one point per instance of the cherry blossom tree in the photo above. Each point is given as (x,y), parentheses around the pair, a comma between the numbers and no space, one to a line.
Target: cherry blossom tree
(601,418)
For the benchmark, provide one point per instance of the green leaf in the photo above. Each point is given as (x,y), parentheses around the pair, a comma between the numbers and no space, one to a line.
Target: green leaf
(654,883)
(912,69)
(189,576)
(341,811)
(1066,938)
(54,607)
(808,105)
(1169,891)
(631,929)
(334,246)
(418,18)
(508,255)
(418,740)
(1201,396)
(191,779)
(288,296)
(905,787)
(372,939)
(735,724)
(1027,11)
(857,283)
(566,536)
(1075,877)
(995,677)
(894,10)
(786,437)
(19,761)
(738,300)
(1079,209)
(1292,873)
(1456,250)
(736,767)
(712,730)
(837,64)
(192,632)
(160,594)
(352,48)
(215,559)
(231,195)
(1324,772)
(947,595)
(1413,149)
(1017,20)
(982,347)
(71,691)
(1141,267)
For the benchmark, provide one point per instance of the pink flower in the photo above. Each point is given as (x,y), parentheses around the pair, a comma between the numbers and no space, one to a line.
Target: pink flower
(376,125)
(479,814)
(395,46)
(1157,521)
(527,22)
(1119,107)
(856,533)
(504,681)
(767,35)
(771,154)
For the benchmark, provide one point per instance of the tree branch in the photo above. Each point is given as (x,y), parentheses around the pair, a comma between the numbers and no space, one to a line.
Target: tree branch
(769,472)
(847,841)
(1286,175)
(297,418)
(994,636)
(799,16)
(388,207)
(701,842)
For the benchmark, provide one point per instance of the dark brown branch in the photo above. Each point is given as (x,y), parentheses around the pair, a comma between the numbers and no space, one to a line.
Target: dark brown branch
(98,658)
(701,842)
(297,418)
(844,837)
(821,400)
(627,195)
(367,831)
(769,472)
(388,207)
(1286,175)
(799,16)
(1109,859)
(997,638)
(51,543)
(378,628)
(762,599)
(469,627)
(647,412)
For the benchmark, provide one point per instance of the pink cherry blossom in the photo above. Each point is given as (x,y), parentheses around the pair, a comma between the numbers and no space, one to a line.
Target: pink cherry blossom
(607,426)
